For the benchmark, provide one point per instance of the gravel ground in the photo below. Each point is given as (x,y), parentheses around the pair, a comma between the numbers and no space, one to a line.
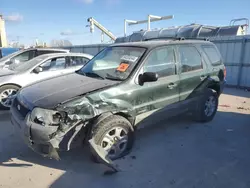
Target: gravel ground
(168,153)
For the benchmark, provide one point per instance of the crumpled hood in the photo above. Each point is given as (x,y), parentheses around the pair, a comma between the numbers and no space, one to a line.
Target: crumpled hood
(49,93)
(6,72)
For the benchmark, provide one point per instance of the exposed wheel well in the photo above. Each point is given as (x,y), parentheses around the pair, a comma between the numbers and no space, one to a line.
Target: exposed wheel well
(91,124)
(215,87)
(128,117)
(11,84)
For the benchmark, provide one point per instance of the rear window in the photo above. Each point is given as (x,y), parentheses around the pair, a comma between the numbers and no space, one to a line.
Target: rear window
(212,55)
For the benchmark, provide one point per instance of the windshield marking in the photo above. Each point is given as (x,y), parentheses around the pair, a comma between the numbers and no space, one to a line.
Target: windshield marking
(123,67)
(129,58)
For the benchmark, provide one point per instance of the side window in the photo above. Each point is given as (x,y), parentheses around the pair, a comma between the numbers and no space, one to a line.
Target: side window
(77,61)
(32,54)
(190,58)
(213,55)
(25,56)
(41,52)
(161,61)
(54,64)
(58,52)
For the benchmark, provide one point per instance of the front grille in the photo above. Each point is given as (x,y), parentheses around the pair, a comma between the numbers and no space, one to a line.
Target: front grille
(19,107)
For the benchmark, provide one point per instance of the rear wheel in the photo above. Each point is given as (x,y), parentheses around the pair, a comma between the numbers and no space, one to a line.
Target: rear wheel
(5,93)
(115,135)
(207,107)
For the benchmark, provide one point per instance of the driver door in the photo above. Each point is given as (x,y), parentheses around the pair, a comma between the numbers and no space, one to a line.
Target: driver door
(51,68)
(159,95)
(25,56)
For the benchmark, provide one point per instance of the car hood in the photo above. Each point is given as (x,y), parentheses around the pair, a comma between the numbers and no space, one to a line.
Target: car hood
(6,72)
(49,93)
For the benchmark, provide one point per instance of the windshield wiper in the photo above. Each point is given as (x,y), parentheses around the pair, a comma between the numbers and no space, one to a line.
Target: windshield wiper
(110,77)
(92,74)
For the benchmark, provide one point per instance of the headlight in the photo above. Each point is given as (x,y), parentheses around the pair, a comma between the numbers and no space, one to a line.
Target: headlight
(47,117)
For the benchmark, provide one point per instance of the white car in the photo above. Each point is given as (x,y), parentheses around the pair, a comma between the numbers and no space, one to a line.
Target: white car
(37,69)
(26,55)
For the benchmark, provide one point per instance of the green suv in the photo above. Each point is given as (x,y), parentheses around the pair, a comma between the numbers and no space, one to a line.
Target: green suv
(106,99)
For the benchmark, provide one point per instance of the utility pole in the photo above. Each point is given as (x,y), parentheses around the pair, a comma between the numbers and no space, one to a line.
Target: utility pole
(94,23)
(3,39)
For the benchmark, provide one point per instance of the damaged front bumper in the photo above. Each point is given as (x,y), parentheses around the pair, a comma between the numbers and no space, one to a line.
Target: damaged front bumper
(45,140)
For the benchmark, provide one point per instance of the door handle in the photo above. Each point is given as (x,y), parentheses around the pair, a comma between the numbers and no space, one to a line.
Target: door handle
(172,85)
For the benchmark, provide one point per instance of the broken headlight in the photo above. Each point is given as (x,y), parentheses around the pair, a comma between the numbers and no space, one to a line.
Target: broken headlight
(47,117)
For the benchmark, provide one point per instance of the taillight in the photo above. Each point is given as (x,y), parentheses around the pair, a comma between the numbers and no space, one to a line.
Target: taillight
(225,72)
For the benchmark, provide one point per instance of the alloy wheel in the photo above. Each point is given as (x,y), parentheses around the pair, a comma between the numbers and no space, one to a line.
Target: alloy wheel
(210,106)
(5,97)
(115,142)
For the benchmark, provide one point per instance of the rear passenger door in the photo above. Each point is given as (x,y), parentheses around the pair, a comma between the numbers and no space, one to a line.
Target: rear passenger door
(76,62)
(192,71)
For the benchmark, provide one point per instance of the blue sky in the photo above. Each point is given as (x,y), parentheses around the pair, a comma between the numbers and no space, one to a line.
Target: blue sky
(49,19)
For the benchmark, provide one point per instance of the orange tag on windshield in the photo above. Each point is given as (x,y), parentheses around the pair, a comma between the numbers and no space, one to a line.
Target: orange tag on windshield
(123,67)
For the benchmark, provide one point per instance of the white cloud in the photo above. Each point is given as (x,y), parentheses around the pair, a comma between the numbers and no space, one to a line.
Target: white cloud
(68,32)
(112,2)
(15,17)
(87,1)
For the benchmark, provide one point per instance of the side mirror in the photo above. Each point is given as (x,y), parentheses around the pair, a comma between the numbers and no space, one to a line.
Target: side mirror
(38,69)
(8,62)
(148,77)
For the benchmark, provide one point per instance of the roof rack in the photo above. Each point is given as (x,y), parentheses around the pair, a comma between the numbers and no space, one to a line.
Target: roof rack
(177,38)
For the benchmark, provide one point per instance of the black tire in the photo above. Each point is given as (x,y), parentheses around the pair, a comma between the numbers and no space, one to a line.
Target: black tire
(101,128)
(2,89)
(199,114)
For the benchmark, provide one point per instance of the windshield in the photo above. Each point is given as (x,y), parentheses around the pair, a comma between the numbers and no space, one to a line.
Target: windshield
(115,63)
(24,66)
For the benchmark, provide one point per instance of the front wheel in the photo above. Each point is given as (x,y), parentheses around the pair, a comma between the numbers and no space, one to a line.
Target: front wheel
(206,107)
(115,135)
(5,93)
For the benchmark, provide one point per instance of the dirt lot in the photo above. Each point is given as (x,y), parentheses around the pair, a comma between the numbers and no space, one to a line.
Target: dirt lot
(173,153)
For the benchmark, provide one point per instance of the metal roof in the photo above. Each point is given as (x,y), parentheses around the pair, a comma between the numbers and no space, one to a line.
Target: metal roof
(187,31)
(156,43)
